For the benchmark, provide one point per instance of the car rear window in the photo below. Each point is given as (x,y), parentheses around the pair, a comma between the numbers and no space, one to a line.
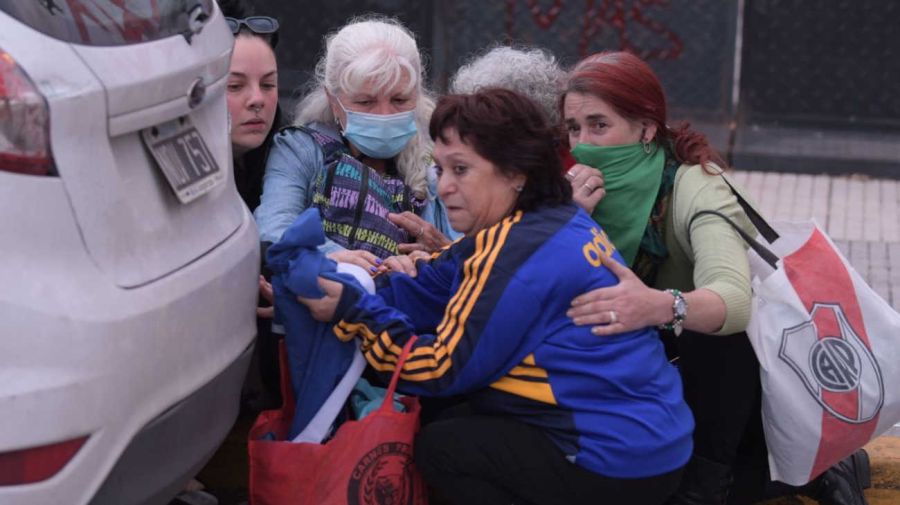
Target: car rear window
(110,22)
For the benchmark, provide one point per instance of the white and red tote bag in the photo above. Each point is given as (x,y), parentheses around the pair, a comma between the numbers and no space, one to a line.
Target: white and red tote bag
(829,354)
(828,348)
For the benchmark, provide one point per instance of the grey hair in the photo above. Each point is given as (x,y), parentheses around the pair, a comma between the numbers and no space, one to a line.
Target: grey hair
(532,72)
(382,52)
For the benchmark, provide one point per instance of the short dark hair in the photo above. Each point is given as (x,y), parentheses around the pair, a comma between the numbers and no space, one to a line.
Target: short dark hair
(512,132)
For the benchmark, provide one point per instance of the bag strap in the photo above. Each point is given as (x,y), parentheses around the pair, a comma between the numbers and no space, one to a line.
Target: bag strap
(764,253)
(320,425)
(388,403)
(332,148)
(762,226)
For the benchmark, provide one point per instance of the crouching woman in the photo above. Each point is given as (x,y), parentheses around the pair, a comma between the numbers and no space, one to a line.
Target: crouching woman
(555,415)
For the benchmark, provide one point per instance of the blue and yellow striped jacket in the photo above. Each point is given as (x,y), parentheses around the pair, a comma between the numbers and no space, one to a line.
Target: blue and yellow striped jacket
(490,314)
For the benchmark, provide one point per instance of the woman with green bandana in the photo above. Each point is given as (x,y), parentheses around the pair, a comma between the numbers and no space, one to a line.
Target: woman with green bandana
(644,182)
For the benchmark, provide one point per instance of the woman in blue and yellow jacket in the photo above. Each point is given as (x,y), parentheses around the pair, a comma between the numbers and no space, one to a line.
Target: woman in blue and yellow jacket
(555,415)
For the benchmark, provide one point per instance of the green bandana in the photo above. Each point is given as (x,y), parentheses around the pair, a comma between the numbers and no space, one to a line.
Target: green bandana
(631,178)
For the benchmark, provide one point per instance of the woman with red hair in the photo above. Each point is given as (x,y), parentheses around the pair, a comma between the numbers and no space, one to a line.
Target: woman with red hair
(690,275)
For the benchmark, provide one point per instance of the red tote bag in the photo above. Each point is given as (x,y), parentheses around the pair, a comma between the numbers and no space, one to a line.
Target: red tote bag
(366,462)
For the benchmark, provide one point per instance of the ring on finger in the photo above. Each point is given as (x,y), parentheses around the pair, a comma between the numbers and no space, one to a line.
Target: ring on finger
(420,232)
(588,187)
(613,317)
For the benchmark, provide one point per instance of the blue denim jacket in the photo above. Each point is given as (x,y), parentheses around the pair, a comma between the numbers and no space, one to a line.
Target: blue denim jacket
(288,186)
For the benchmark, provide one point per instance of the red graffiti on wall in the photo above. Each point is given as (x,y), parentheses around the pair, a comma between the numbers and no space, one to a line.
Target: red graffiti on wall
(114,16)
(545,20)
(616,15)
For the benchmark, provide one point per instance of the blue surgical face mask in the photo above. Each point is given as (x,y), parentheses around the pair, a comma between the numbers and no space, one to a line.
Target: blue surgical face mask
(379,136)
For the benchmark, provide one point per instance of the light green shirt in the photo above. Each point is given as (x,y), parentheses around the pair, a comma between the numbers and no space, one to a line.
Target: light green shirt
(711,255)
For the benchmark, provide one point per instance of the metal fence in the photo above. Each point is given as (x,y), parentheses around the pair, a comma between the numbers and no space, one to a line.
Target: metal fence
(833,63)
(819,85)
(690,43)
(819,91)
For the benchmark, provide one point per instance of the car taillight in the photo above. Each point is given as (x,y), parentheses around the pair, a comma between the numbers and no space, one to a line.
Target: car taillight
(35,464)
(24,123)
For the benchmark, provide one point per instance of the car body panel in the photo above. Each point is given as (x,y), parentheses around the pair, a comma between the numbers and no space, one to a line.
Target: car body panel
(125,355)
(161,457)
(117,301)
(118,195)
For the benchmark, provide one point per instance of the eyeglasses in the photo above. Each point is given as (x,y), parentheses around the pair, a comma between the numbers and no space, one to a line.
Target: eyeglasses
(260,25)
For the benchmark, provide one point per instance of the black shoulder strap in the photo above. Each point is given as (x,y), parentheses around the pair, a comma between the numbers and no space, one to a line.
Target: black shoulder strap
(763,227)
(332,150)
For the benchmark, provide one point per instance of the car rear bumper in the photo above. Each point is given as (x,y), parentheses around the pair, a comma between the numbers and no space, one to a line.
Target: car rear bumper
(163,456)
(81,357)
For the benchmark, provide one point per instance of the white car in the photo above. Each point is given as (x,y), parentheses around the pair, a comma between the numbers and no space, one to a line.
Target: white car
(128,263)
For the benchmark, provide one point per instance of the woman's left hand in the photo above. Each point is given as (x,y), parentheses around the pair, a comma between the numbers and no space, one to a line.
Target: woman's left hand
(628,306)
(322,309)
(587,186)
(401,263)
(363,259)
(428,238)
(265,291)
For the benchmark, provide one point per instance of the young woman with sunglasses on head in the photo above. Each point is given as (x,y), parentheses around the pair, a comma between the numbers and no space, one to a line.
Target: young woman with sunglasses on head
(252,95)
(254,116)
(359,148)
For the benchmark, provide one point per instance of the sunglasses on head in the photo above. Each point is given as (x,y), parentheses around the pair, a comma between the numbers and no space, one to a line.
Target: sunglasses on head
(260,25)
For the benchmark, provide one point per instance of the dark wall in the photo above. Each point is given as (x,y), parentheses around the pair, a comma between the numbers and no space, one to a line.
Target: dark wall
(817,68)
(834,63)
(690,43)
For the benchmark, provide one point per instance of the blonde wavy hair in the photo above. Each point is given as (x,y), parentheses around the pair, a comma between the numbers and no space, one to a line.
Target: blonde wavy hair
(382,52)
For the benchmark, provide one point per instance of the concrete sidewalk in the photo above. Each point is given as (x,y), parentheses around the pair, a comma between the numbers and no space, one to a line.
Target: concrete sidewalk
(862,215)
(884,456)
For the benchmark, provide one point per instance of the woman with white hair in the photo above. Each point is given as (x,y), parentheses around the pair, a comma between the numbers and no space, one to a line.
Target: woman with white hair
(359,148)
(536,74)
(532,72)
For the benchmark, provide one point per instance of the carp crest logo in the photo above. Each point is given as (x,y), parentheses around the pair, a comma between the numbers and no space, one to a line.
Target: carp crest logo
(839,371)
(383,477)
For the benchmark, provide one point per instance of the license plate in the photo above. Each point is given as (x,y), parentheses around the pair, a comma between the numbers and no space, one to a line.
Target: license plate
(184,158)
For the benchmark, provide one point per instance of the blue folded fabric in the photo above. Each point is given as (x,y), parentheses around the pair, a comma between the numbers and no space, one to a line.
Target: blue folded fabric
(366,398)
(316,358)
